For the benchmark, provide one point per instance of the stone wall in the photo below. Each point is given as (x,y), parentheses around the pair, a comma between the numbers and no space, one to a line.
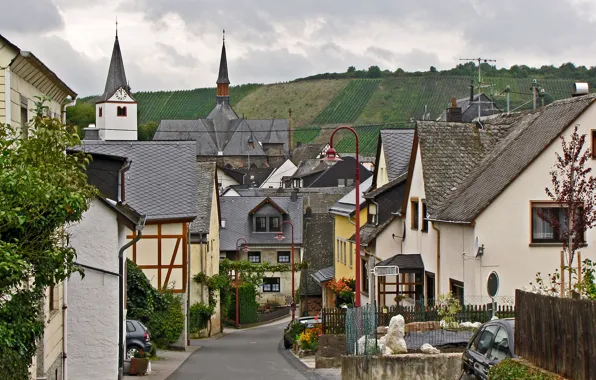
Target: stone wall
(312,304)
(331,349)
(407,366)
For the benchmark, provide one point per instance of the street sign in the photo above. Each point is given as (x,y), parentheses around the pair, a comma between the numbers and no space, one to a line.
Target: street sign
(389,270)
(492,284)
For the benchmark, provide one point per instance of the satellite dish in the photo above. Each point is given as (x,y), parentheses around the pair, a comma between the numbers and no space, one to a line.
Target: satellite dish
(478,249)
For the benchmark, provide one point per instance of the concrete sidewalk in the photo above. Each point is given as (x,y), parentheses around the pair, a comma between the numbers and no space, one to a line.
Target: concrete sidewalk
(167,363)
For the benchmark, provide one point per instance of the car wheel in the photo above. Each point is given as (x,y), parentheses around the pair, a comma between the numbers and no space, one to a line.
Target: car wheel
(131,351)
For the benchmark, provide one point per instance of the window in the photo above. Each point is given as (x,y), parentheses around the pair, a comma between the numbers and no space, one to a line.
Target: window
(274,224)
(337,249)
(53,300)
(121,111)
(345,251)
(283,257)
(100,112)
(485,339)
(261,224)
(130,327)
(593,143)
(372,213)
(364,275)
(24,123)
(457,289)
(341,182)
(350,253)
(500,347)
(222,256)
(430,288)
(414,213)
(542,231)
(349,182)
(271,285)
(254,257)
(424,220)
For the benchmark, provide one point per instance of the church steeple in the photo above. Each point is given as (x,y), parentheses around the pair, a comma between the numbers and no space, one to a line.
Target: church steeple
(223,82)
(116,75)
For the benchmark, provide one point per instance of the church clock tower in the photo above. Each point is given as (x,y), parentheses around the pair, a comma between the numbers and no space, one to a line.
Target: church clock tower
(116,108)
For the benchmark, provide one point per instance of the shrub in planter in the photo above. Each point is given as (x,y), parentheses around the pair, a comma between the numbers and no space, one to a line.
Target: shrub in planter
(515,369)
(309,338)
(139,363)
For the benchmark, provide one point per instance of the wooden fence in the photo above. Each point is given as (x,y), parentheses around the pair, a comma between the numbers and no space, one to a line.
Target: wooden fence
(557,334)
(334,320)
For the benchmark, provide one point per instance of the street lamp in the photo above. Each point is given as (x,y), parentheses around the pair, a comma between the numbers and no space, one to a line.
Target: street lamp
(331,155)
(280,236)
(244,249)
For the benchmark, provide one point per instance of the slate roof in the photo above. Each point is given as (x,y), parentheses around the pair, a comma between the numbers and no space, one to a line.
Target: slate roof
(116,75)
(126,214)
(347,204)
(469,108)
(235,213)
(324,275)
(205,188)
(464,172)
(310,166)
(404,262)
(162,180)
(397,146)
(306,152)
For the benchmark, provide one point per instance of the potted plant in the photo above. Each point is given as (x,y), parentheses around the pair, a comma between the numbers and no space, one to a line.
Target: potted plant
(139,363)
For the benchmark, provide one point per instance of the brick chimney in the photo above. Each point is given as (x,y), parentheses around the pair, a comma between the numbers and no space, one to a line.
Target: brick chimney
(454,114)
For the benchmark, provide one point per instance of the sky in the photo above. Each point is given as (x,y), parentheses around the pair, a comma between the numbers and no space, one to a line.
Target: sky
(176,44)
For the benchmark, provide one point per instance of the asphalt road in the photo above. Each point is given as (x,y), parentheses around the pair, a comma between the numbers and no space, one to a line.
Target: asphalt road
(252,354)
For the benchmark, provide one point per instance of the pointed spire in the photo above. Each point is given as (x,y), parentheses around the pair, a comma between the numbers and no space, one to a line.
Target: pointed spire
(223,64)
(116,75)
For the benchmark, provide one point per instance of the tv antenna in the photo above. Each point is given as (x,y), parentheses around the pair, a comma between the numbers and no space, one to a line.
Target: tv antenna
(480,61)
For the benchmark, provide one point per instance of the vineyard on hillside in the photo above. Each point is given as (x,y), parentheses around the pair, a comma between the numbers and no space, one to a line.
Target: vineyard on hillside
(184,105)
(367,138)
(306,134)
(347,105)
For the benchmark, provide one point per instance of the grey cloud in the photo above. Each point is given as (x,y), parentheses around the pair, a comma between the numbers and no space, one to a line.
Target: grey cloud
(381,53)
(30,16)
(169,54)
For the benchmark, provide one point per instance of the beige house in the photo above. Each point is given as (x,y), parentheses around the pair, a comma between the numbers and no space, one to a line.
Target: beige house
(23,77)
(474,196)
(204,240)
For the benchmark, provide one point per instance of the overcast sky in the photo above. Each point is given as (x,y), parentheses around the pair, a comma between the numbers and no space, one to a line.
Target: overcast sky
(175,44)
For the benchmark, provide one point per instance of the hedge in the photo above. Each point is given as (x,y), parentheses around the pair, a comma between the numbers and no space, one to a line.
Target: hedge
(510,369)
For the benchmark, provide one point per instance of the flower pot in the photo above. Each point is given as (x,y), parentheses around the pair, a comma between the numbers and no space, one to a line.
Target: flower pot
(138,366)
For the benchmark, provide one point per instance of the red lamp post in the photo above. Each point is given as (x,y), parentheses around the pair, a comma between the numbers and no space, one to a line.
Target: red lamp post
(281,237)
(331,155)
(244,249)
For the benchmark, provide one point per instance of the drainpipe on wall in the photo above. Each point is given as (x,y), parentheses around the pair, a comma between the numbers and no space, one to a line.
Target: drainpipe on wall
(64,329)
(139,229)
(438,257)
(64,107)
(188,287)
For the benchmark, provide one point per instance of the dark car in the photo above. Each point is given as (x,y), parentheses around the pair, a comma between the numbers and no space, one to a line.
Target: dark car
(137,338)
(492,343)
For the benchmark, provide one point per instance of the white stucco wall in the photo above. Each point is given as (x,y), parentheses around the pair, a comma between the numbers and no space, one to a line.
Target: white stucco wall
(114,127)
(93,301)
(504,227)
(225,179)
(285,170)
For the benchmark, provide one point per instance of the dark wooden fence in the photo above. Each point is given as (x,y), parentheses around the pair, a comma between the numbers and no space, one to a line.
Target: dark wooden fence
(334,320)
(557,334)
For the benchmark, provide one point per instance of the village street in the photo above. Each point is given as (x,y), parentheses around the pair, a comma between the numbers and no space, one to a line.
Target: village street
(249,354)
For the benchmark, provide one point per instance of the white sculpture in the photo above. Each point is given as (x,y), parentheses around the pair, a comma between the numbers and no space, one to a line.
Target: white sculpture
(394,340)
(428,349)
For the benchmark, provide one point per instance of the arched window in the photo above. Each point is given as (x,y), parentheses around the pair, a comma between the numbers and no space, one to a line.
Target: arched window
(121,111)
(100,112)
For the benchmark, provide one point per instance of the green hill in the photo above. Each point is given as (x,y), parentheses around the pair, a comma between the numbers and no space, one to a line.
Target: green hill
(319,105)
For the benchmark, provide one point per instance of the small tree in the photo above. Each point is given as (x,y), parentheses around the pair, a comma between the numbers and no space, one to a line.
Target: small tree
(573,189)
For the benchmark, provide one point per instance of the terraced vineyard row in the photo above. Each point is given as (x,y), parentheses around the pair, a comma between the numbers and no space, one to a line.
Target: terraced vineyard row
(306,134)
(367,137)
(348,104)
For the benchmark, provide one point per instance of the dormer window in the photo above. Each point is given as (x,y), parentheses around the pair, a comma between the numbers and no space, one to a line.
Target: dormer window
(372,213)
(261,224)
(100,111)
(121,111)
(274,224)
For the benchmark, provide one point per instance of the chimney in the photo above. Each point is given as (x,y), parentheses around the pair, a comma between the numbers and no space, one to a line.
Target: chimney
(472,91)
(294,195)
(91,133)
(454,114)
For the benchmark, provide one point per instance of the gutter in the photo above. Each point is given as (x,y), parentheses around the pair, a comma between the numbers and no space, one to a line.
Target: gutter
(64,107)
(121,186)
(447,221)
(438,257)
(139,229)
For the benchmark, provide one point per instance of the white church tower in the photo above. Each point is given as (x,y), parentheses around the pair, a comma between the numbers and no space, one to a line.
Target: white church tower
(116,109)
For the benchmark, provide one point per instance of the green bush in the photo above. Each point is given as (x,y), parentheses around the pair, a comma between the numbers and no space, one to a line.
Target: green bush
(13,365)
(248,304)
(509,369)
(160,312)
(200,314)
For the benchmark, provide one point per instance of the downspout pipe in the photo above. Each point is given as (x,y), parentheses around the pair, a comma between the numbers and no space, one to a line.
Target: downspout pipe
(438,257)
(139,229)
(64,329)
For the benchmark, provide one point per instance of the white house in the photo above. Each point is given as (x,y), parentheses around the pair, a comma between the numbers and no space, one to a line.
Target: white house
(474,195)
(274,181)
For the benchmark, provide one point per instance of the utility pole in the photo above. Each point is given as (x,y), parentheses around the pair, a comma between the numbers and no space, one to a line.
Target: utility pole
(480,61)
(534,88)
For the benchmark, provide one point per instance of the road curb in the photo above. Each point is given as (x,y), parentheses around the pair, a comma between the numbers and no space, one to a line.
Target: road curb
(297,363)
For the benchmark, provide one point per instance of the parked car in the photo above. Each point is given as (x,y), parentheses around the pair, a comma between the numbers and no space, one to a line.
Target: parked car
(492,343)
(137,338)
(292,328)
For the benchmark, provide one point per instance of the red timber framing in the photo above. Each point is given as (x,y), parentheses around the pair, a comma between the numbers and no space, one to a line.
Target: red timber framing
(181,241)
